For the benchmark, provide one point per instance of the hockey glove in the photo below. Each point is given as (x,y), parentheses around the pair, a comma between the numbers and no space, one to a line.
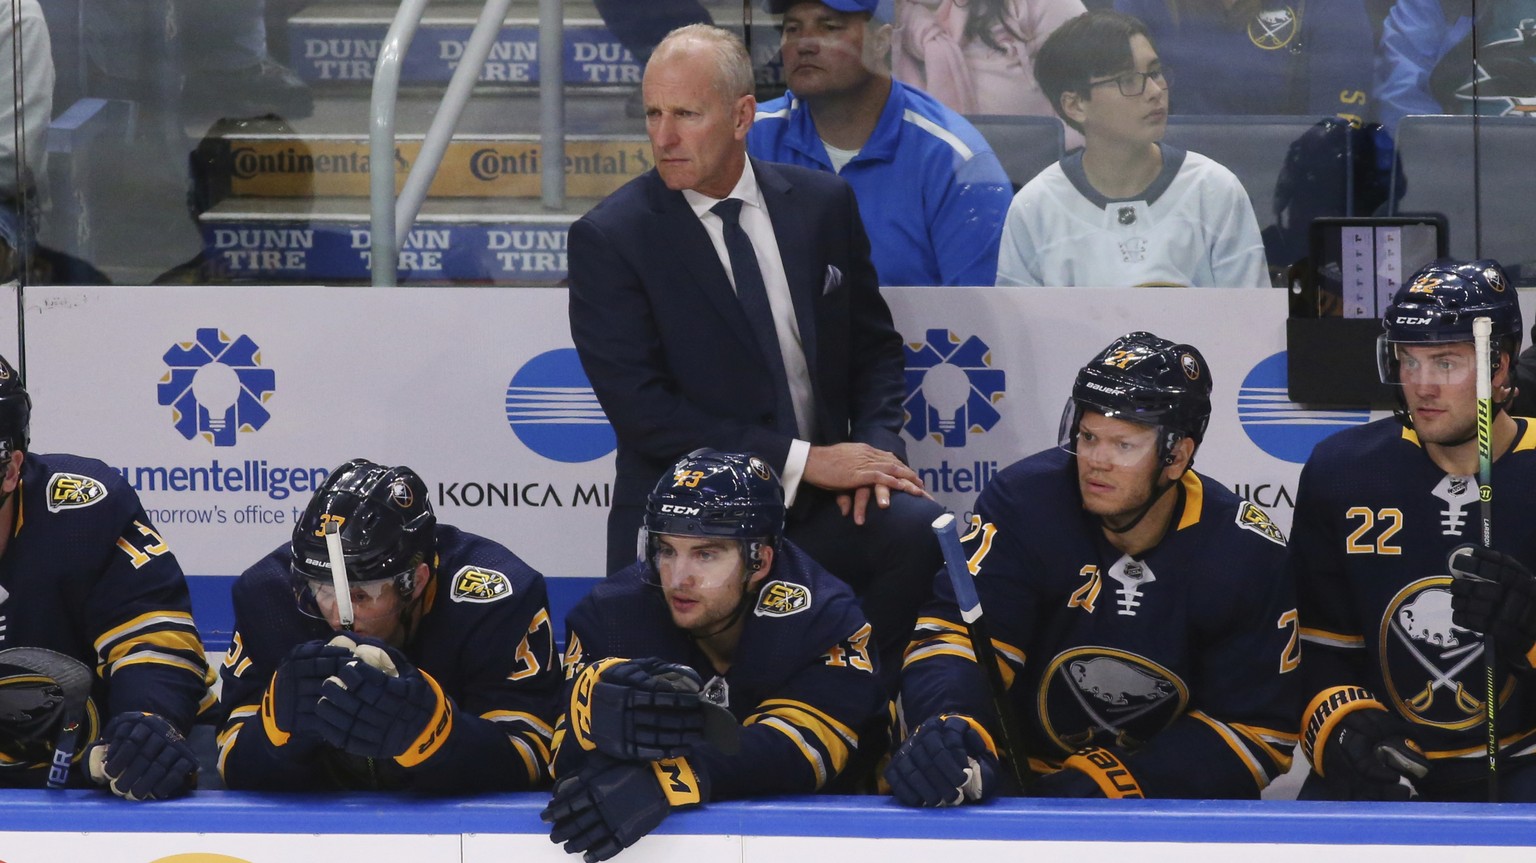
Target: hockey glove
(288,705)
(395,711)
(945,762)
(637,709)
(1090,772)
(1362,751)
(1495,594)
(141,756)
(607,806)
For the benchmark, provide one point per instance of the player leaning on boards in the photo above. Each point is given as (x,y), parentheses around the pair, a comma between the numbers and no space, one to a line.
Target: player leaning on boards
(1393,648)
(87,583)
(447,681)
(1138,609)
(720,596)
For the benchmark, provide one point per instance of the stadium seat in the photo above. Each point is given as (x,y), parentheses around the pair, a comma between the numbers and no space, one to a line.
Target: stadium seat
(1472,171)
(1024,144)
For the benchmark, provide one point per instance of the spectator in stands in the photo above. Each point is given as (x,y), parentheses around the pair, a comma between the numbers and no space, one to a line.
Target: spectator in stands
(726,664)
(729,302)
(1126,210)
(27,58)
(1428,48)
(436,671)
(89,580)
(931,192)
(976,56)
(1263,56)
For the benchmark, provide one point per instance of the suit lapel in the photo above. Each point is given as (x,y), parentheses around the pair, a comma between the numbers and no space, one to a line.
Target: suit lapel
(797,248)
(678,234)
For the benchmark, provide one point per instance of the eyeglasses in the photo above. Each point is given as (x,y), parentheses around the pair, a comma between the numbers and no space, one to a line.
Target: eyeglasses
(1135,83)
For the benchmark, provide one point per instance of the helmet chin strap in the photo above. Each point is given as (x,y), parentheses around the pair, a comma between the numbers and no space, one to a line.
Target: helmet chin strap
(1141,512)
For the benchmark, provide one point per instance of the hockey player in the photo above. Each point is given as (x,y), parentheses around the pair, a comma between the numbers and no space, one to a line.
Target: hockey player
(719,597)
(1138,610)
(1393,658)
(1126,209)
(447,681)
(85,575)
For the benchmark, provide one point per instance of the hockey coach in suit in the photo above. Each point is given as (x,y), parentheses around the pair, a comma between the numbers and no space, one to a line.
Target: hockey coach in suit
(723,302)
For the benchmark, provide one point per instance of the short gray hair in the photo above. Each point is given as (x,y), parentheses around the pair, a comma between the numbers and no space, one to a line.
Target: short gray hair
(733,65)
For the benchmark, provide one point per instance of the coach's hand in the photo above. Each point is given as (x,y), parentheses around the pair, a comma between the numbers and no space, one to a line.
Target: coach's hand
(860,472)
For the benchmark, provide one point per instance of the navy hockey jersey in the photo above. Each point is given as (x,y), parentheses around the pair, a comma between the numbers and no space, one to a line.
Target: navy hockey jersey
(86,574)
(804,683)
(1375,521)
(485,636)
(1181,660)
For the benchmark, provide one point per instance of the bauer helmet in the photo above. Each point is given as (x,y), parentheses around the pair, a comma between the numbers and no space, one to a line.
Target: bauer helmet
(1145,379)
(45,702)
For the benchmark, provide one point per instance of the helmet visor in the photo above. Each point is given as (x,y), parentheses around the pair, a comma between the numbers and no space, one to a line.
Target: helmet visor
(695,562)
(1100,439)
(371,600)
(1451,363)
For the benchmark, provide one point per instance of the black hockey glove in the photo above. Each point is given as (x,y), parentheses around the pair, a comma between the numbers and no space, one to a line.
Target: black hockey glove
(1495,594)
(1360,749)
(637,709)
(379,705)
(141,756)
(288,705)
(607,806)
(945,762)
(1091,772)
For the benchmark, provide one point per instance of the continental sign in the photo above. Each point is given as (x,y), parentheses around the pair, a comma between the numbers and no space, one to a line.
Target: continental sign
(499,168)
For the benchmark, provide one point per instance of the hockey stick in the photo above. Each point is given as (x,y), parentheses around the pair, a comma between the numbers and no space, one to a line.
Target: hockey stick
(339,575)
(964,584)
(1482,332)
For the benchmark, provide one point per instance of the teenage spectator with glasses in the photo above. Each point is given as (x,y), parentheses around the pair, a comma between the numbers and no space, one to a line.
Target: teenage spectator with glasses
(1125,210)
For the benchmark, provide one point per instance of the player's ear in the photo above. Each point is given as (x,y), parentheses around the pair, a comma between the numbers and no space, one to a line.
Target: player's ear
(423,575)
(1180,456)
(12,472)
(764,554)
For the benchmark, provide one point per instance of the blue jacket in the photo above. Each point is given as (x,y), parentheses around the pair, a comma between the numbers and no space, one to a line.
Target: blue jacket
(931,192)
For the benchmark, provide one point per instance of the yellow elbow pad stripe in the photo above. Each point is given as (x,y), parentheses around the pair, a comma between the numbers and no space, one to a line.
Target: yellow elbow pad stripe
(1325,711)
(678,781)
(437,731)
(581,701)
(1107,771)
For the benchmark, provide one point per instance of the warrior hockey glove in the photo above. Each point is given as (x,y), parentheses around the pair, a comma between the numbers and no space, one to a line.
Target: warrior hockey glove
(946,762)
(141,756)
(608,806)
(394,711)
(1362,751)
(1091,772)
(1495,594)
(637,709)
(288,705)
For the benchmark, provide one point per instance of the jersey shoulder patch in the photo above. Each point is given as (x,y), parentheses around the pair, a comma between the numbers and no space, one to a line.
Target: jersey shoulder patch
(73,491)
(1250,517)
(477,584)
(781,599)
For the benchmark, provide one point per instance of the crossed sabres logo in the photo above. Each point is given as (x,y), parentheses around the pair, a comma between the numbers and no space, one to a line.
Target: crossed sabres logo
(952,388)
(216,386)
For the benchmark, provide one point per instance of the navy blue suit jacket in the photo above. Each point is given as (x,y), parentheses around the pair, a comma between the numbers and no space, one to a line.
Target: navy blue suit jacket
(668,348)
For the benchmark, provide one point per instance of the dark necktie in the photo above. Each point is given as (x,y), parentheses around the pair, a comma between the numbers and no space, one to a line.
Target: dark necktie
(753,295)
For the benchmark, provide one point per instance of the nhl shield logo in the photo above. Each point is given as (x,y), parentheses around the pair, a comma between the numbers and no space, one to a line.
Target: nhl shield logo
(781,599)
(73,491)
(473,584)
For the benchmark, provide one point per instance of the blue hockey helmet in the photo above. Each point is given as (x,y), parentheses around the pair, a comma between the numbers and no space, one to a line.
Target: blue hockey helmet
(1439,305)
(717,494)
(1145,379)
(386,524)
(15,411)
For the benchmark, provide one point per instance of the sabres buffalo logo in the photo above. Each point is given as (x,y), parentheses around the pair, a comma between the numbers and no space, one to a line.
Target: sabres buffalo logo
(73,491)
(759,468)
(1190,365)
(1106,697)
(473,584)
(400,492)
(1274,28)
(1432,667)
(1257,520)
(781,599)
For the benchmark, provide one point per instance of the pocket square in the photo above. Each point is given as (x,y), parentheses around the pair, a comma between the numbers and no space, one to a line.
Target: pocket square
(832,281)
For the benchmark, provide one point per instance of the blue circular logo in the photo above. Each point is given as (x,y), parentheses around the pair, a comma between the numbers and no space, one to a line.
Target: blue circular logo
(1279,426)
(554,412)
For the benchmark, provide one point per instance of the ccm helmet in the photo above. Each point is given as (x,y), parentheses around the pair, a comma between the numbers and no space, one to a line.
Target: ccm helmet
(1439,305)
(1146,379)
(717,494)
(385,521)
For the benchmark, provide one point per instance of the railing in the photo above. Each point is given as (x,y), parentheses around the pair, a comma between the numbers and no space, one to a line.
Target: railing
(391,219)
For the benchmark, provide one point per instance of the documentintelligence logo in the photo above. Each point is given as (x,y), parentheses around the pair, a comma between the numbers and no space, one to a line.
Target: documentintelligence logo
(1279,426)
(216,387)
(952,388)
(552,409)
